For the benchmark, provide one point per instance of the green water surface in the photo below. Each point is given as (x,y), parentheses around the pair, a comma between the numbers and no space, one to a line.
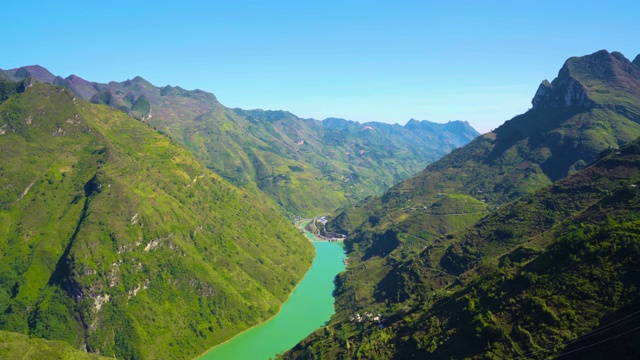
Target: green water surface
(309,307)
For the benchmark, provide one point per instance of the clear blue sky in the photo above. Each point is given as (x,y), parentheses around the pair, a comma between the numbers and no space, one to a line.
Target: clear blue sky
(387,61)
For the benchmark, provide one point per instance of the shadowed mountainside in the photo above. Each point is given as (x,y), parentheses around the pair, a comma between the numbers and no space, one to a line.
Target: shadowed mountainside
(422,241)
(554,272)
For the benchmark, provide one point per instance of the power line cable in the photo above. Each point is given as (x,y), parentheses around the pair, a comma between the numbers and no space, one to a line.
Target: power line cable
(599,342)
(591,333)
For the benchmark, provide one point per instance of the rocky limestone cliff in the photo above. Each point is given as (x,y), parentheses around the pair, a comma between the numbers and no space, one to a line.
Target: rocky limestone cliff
(581,79)
(562,94)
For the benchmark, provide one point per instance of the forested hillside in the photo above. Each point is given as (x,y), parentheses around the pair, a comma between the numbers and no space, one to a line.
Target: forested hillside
(116,240)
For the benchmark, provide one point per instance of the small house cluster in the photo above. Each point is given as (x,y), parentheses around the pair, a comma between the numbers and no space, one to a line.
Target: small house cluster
(368,317)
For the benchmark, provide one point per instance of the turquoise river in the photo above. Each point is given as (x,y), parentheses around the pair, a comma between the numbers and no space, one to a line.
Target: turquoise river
(309,307)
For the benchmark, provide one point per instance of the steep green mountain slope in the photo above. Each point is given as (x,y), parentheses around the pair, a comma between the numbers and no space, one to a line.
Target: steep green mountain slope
(302,166)
(554,272)
(19,346)
(116,240)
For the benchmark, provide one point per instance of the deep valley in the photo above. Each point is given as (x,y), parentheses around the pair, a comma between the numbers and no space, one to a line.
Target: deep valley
(145,222)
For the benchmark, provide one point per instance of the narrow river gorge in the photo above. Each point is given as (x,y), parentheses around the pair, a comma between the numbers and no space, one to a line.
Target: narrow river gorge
(309,307)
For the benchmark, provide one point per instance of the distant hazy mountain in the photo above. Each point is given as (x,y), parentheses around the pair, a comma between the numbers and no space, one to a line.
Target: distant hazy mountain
(532,275)
(303,166)
(116,240)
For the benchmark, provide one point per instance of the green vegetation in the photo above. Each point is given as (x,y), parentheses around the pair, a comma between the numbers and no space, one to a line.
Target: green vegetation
(116,240)
(141,107)
(7,88)
(18,346)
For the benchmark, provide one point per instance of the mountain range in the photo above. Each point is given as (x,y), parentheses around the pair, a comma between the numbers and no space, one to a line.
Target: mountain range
(520,243)
(119,237)
(303,167)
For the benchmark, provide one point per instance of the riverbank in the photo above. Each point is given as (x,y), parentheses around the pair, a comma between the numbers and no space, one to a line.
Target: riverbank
(316,235)
(293,321)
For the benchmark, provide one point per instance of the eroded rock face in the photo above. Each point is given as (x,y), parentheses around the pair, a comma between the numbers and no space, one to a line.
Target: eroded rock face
(565,92)
(600,79)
